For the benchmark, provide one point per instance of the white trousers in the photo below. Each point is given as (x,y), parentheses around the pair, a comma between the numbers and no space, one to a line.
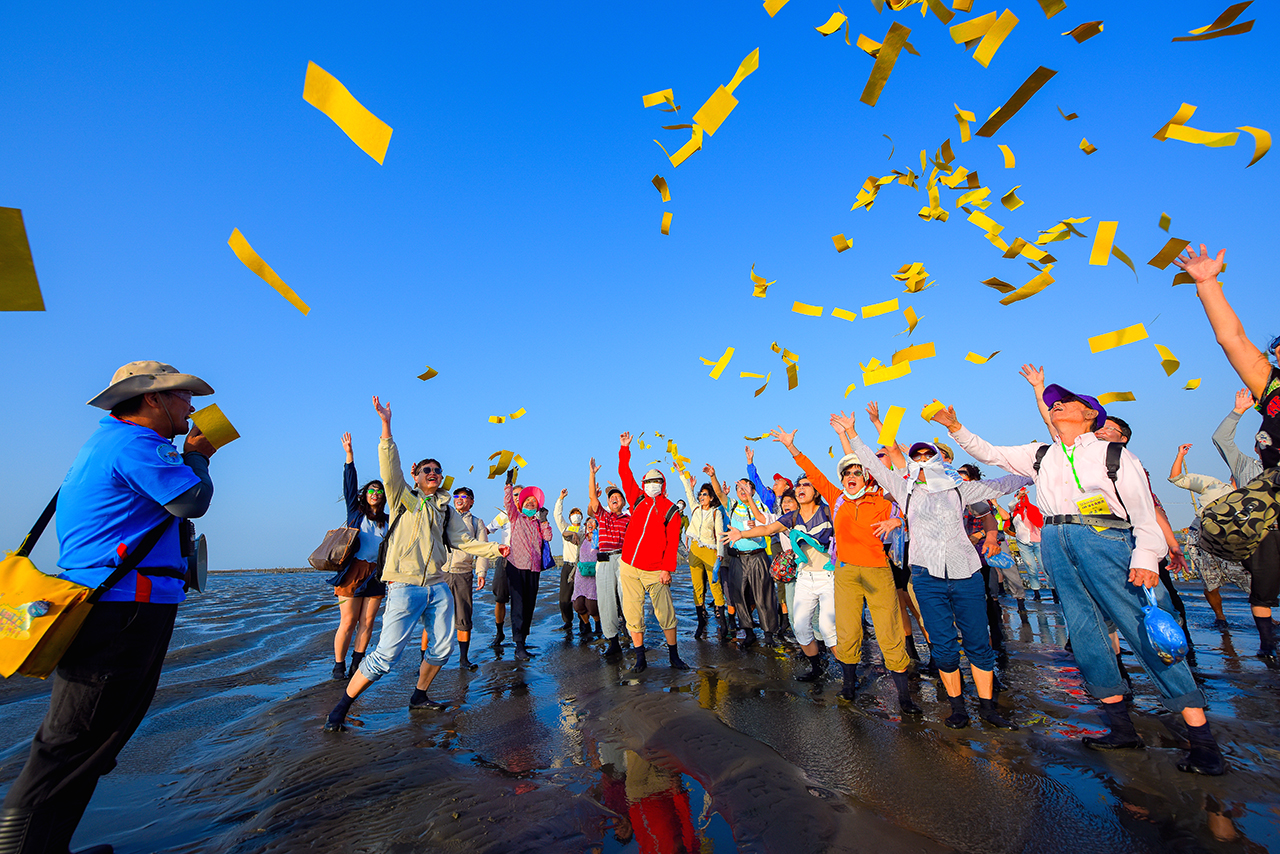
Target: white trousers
(815,591)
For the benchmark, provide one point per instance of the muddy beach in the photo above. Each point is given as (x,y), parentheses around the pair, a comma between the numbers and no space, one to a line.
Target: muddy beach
(571,754)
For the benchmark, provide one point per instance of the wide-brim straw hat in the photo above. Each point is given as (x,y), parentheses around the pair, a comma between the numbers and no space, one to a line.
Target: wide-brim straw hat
(138,378)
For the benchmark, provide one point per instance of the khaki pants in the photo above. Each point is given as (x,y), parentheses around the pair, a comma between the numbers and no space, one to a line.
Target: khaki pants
(874,585)
(635,583)
(701,572)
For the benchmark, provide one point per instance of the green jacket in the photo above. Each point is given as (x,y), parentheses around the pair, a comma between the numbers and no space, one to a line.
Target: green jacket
(416,553)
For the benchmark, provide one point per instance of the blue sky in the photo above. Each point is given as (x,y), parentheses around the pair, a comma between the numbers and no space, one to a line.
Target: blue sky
(511,238)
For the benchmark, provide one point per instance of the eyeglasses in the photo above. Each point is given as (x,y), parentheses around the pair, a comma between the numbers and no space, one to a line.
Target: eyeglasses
(430,470)
(181,395)
(373,490)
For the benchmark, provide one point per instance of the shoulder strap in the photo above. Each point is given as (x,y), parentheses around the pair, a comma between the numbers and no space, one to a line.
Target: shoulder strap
(132,559)
(1040,452)
(1113,466)
(29,542)
(672,511)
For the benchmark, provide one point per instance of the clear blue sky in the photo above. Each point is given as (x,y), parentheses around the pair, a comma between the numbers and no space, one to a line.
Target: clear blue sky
(511,239)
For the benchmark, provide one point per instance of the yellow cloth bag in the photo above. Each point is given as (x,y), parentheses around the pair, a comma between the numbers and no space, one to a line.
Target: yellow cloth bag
(40,615)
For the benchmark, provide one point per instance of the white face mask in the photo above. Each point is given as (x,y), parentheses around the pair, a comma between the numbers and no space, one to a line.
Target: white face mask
(575,518)
(653,490)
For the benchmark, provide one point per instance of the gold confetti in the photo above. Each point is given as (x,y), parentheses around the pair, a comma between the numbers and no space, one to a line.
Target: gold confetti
(655,98)
(843,314)
(430,372)
(978,360)
(496,419)
(214,425)
(977,198)
(1220,25)
(760,390)
(719,365)
(19,287)
(793,376)
(713,113)
(912,320)
(962,5)
(1052,7)
(519,413)
(1087,147)
(787,356)
(1102,243)
(761,286)
(1083,32)
(913,353)
(1008,156)
(254,262)
(1118,338)
(986,223)
(963,117)
(885,59)
(804,308)
(1016,102)
(1011,201)
(1067,116)
(944,14)
(746,374)
(833,23)
(973,29)
(1165,222)
(748,66)
(892,147)
(1115,397)
(502,465)
(675,127)
(995,37)
(1172,249)
(694,144)
(889,428)
(755,438)
(1001,286)
(914,276)
(1191,384)
(850,388)
(880,375)
(1124,259)
(1261,142)
(666,223)
(661,184)
(1031,288)
(1168,361)
(1185,112)
(1206,138)
(322,90)
(879,308)
(841,243)
(772,6)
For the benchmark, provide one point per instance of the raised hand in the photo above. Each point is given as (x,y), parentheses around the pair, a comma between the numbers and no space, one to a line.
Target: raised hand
(625,438)
(384,412)
(595,469)
(788,440)
(511,475)
(709,470)
(1182,449)
(1033,375)
(1244,400)
(1201,267)
(346,443)
(751,455)
(563,494)
(873,411)
(947,418)
(198,442)
(842,423)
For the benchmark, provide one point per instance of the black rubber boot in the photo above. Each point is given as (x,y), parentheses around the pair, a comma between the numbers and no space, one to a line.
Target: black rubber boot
(339,670)
(522,654)
(499,637)
(849,689)
(1204,757)
(641,665)
(356,658)
(748,638)
(959,718)
(905,703)
(911,649)
(1036,593)
(701,631)
(988,712)
(733,622)
(768,639)
(1022,607)
(815,669)
(1266,636)
(599,630)
(613,648)
(674,659)
(464,661)
(419,700)
(338,717)
(722,630)
(1122,735)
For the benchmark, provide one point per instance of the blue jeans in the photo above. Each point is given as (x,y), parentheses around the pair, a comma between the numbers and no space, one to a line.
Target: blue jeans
(409,610)
(1090,570)
(947,604)
(1030,553)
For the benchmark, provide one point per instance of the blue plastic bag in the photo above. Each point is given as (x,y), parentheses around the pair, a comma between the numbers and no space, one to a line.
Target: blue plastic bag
(1000,561)
(1163,631)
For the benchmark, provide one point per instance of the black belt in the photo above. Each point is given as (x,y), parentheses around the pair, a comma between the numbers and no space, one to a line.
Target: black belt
(741,552)
(1095,521)
(606,555)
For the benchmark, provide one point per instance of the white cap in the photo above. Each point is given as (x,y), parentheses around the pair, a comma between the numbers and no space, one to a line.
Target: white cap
(846,461)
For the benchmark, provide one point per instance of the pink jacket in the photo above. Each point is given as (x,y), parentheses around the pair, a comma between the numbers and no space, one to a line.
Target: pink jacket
(527,535)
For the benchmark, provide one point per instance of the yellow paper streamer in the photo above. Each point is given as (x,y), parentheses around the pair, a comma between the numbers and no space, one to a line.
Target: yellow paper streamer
(962,5)
(214,425)
(892,422)
(719,365)
(1102,242)
(1206,138)
(1008,156)
(1001,286)
(430,372)
(880,375)
(1083,32)
(1165,222)
(1068,116)
(661,184)
(877,309)
(885,59)
(717,108)
(1087,147)
(914,353)
(1016,102)
(910,314)
(963,117)
(755,438)
(322,90)
(1115,397)
(19,288)
(851,387)
(1118,338)
(749,64)
(1052,7)
(843,314)
(973,29)
(655,98)
(804,308)
(1261,142)
(1220,27)
(1185,112)
(666,223)
(497,419)
(1124,259)
(761,286)
(1191,384)
(504,463)
(931,410)
(1010,200)
(772,6)
(746,374)
(682,154)
(1172,249)
(1031,288)
(840,242)
(251,259)
(519,413)
(986,223)
(833,23)
(979,360)
(1168,361)
(760,390)
(995,37)
(1238,29)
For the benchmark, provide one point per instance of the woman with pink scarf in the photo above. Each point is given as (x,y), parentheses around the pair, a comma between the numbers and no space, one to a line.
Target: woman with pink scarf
(525,562)
(1027,522)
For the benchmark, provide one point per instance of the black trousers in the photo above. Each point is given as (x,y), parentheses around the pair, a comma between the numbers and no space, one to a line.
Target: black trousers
(567,572)
(523,584)
(101,692)
(1264,570)
(755,591)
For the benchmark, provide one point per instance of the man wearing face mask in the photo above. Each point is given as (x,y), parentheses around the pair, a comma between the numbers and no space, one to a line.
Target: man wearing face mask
(649,552)
(571,535)
(612,522)
(423,529)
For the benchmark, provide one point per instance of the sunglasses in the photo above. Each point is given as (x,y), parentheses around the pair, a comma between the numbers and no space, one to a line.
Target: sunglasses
(430,470)
(373,490)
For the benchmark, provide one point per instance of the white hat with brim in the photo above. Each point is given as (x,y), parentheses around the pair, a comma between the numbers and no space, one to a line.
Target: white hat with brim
(138,378)
(846,461)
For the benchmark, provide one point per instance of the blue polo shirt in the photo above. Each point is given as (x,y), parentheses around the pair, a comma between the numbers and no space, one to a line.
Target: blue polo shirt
(115,493)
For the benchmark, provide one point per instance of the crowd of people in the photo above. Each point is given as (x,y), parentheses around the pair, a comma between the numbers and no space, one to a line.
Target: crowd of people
(896,531)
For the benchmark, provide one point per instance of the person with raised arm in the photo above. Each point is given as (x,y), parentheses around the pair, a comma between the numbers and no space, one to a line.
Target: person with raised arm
(356,584)
(1102,545)
(945,569)
(611,527)
(1214,571)
(745,573)
(706,522)
(571,536)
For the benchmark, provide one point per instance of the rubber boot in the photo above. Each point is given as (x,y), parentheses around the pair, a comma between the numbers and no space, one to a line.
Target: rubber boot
(613,648)
(641,665)
(419,700)
(1036,593)
(339,670)
(499,637)
(748,638)
(673,658)
(905,703)
(356,658)
(599,630)
(733,622)
(1204,757)
(464,661)
(849,689)
(522,654)
(338,717)
(768,639)
(988,712)
(1122,735)
(784,627)
(911,649)
(815,669)
(69,809)
(959,717)
(722,632)
(1022,607)
(1266,636)
(701,631)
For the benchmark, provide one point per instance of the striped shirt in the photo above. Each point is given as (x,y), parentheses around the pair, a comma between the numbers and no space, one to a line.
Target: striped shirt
(936,519)
(612,528)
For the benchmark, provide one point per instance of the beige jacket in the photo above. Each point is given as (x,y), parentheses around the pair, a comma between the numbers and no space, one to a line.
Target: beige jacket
(416,553)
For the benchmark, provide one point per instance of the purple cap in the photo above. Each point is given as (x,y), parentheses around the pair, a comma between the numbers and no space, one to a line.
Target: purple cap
(921,446)
(1055,393)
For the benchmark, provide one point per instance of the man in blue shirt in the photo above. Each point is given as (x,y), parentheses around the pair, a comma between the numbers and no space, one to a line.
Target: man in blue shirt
(127,480)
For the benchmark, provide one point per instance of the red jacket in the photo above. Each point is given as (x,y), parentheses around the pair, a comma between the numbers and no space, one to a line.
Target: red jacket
(651,542)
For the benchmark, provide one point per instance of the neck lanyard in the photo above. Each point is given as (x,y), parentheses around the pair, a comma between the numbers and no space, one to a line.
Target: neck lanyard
(1071,458)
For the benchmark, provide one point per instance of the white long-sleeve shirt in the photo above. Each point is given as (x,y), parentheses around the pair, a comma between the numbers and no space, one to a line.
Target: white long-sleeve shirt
(1057,490)
(705,526)
(570,549)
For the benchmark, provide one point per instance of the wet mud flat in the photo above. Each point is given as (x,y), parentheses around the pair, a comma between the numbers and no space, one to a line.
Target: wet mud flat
(571,753)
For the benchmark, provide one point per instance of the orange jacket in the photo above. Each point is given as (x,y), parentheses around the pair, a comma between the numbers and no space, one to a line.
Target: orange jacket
(855,542)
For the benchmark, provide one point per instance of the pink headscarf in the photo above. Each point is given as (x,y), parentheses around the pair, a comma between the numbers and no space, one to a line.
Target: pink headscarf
(535,492)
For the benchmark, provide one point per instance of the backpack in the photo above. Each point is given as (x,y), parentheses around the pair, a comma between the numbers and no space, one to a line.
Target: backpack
(1113,466)
(673,510)
(1233,526)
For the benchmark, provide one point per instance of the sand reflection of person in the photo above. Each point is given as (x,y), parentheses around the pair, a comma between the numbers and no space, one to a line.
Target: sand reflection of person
(357,584)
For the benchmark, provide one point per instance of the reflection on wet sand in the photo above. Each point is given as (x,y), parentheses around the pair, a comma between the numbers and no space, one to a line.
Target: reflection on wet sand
(568,753)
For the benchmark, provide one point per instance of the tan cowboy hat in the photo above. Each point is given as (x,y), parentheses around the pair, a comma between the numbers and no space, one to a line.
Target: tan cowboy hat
(138,378)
